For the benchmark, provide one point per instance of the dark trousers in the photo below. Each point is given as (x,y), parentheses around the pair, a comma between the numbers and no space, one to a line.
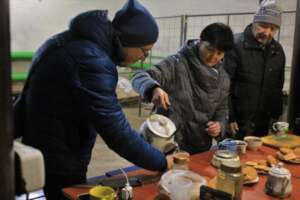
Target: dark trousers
(55,183)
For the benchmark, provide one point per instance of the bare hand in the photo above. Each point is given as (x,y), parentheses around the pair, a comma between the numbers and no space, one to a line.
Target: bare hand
(160,98)
(169,161)
(214,128)
(233,127)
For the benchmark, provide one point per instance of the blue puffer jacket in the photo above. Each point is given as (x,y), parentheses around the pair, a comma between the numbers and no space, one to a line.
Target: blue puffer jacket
(71,97)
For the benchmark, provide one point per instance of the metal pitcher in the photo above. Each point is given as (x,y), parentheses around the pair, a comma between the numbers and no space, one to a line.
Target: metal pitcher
(159,131)
(279,182)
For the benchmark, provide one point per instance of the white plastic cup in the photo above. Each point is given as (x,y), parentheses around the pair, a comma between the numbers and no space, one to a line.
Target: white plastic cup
(180,188)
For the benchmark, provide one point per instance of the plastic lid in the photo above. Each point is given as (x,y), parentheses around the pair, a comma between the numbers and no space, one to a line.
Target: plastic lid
(161,125)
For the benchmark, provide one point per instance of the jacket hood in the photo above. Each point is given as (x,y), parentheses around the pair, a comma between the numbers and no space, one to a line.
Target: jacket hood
(95,26)
(190,50)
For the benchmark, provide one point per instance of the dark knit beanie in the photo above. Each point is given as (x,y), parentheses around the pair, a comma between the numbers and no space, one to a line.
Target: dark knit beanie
(268,12)
(136,25)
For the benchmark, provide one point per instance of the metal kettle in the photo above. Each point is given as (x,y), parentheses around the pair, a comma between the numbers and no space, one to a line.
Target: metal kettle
(159,131)
(279,182)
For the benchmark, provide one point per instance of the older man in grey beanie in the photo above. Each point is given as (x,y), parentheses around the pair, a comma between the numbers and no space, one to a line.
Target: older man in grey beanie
(70,97)
(256,67)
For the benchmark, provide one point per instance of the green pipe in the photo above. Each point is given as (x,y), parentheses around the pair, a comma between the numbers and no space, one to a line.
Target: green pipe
(20,76)
(21,55)
(27,55)
(138,65)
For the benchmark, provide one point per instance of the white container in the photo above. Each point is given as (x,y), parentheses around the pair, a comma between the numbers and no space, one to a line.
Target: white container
(159,131)
(32,166)
(167,180)
(180,188)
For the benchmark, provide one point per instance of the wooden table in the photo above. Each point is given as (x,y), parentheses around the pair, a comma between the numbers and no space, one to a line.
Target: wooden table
(200,163)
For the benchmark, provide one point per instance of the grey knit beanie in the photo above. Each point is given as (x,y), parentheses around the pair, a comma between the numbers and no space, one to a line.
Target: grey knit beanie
(268,12)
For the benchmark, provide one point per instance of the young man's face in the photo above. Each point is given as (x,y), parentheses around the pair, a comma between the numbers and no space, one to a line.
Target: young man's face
(264,32)
(209,55)
(134,54)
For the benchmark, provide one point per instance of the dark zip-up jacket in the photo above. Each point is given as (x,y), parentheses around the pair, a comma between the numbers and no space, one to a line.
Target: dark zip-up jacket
(71,97)
(257,77)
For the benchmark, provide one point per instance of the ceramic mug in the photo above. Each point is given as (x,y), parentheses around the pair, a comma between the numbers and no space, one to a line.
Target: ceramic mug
(280,128)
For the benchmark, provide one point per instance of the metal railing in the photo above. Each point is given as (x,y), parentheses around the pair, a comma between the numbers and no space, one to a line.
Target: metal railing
(175,30)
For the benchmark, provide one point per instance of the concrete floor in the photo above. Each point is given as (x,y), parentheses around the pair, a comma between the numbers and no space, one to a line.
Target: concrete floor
(104,159)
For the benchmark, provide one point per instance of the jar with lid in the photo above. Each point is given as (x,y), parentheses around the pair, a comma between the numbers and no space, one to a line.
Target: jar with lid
(222,155)
(181,160)
(230,179)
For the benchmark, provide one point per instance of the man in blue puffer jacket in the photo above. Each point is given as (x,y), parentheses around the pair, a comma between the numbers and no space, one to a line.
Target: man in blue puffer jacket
(70,94)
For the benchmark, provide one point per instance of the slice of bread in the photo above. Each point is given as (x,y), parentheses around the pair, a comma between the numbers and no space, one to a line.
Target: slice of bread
(297,151)
(285,150)
(262,162)
(251,163)
(262,167)
(250,173)
(289,156)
